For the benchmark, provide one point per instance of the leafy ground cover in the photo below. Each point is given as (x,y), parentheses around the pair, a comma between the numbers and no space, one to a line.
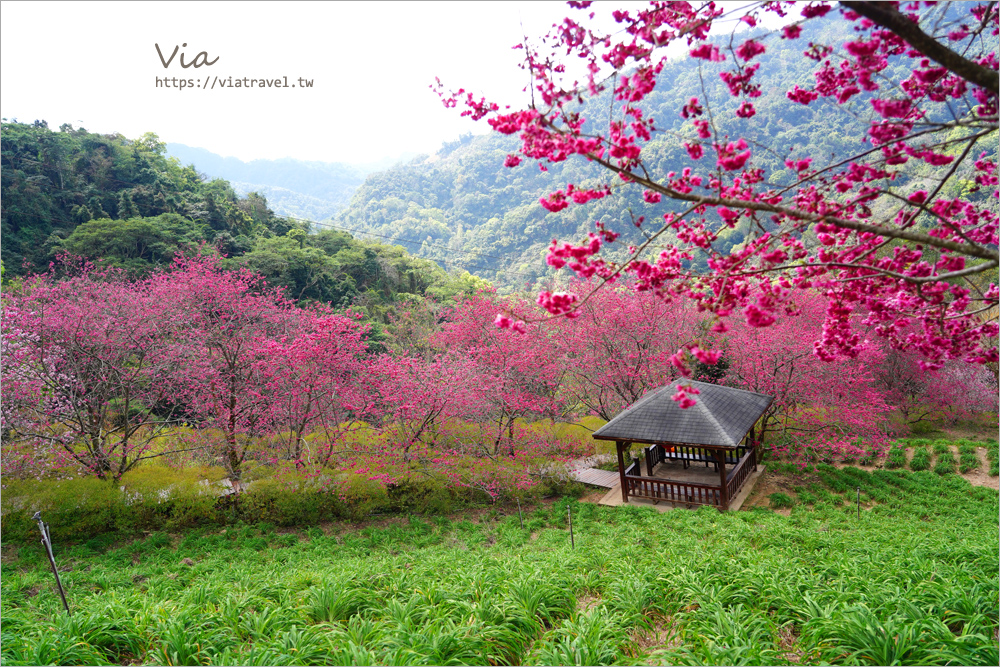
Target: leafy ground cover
(913,581)
(968,461)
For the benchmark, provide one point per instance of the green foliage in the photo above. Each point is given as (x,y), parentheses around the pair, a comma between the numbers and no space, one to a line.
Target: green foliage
(968,458)
(896,457)
(152,498)
(921,459)
(993,456)
(124,203)
(781,501)
(55,182)
(923,428)
(945,459)
(136,243)
(912,582)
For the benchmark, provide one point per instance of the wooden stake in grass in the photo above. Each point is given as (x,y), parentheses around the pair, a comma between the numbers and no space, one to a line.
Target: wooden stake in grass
(569,513)
(47,543)
(859,503)
(519,515)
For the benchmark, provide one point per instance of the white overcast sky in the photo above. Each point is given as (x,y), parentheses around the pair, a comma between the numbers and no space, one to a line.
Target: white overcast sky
(94,64)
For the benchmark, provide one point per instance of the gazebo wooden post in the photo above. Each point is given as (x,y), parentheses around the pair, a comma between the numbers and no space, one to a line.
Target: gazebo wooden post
(621,468)
(720,456)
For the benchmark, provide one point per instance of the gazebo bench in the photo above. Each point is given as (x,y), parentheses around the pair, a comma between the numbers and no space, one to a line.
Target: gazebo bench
(686,455)
(687,458)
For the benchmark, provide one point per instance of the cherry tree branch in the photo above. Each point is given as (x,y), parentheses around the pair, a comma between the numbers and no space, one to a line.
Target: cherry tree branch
(886,15)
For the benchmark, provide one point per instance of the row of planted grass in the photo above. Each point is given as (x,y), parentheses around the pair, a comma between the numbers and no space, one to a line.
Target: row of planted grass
(938,455)
(914,581)
(943,457)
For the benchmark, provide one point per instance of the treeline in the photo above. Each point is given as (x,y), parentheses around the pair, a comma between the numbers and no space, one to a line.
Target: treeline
(102,372)
(125,204)
(311,190)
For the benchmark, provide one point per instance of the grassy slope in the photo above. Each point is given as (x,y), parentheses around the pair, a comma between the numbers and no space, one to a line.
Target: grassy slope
(915,581)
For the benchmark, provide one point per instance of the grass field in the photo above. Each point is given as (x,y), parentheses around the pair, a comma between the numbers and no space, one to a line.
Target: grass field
(914,581)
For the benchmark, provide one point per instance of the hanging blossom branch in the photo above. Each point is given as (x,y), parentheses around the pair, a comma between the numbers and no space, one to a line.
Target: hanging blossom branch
(896,273)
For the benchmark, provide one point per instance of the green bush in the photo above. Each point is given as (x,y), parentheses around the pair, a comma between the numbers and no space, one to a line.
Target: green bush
(156,498)
(945,466)
(896,457)
(421,495)
(968,458)
(921,459)
(781,501)
(922,428)
(942,448)
(945,458)
(993,455)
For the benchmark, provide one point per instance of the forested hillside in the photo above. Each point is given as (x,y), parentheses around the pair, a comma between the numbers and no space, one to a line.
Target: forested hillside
(310,190)
(124,203)
(464,208)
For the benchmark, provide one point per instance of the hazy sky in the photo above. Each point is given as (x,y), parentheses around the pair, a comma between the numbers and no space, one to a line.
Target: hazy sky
(95,65)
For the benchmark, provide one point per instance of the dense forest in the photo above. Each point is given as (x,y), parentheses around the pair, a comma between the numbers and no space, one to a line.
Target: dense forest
(125,203)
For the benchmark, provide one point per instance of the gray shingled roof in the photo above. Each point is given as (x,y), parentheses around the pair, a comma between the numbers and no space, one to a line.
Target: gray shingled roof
(721,417)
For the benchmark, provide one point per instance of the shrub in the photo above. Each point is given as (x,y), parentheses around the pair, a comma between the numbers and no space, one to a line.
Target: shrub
(921,459)
(781,501)
(942,448)
(993,455)
(945,466)
(922,428)
(968,458)
(896,458)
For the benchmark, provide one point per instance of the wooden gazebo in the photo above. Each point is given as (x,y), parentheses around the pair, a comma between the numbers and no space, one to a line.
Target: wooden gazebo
(720,430)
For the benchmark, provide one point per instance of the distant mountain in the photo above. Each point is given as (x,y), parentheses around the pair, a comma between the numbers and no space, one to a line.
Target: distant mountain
(311,190)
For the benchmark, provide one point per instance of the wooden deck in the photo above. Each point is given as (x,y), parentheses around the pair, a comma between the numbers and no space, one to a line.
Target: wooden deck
(596,477)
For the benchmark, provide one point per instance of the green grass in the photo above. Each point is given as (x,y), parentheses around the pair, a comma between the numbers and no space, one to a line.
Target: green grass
(945,458)
(914,581)
(897,457)
(994,457)
(968,459)
(781,501)
(921,459)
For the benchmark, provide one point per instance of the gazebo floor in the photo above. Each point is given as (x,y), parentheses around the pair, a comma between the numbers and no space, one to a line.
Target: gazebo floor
(696,472)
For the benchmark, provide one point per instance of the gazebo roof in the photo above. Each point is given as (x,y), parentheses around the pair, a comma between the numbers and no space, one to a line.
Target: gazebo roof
(721,417)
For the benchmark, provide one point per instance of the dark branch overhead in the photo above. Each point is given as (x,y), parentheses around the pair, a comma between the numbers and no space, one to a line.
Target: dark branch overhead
(721,418)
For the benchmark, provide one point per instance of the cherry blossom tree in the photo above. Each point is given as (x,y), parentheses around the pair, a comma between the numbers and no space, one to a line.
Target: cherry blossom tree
(418,399)
(219,328)
(81,371)
(622,344)
(517,372)
(954,391)
(811,396)
(908,271)
(318,380)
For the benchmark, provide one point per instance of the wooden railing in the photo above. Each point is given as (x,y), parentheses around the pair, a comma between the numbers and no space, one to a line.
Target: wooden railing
(671,491)
(736,477)
(744,458)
